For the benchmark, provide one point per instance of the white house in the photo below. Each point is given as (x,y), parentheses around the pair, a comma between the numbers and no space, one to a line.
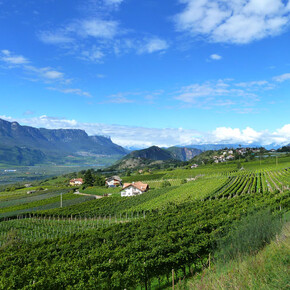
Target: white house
(134,188)
(76,181)
(113,181)
(230,157)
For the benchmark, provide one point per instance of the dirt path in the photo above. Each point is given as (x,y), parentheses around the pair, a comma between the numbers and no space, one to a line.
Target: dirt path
(86,194)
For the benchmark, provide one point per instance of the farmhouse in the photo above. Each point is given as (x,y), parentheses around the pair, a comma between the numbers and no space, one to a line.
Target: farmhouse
(134,188)
(113,181)
(76,181)
(230,157)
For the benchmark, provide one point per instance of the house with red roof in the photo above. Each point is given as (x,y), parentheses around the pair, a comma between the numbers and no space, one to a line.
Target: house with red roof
(134,188)
(76,181)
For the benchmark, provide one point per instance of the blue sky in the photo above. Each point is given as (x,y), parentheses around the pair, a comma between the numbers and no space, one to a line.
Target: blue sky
(149,72)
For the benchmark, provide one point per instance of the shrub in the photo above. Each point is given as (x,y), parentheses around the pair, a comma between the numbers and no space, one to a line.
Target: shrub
(249,235)
(165,183)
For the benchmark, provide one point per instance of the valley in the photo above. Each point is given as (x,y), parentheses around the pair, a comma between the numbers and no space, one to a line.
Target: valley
(132,242)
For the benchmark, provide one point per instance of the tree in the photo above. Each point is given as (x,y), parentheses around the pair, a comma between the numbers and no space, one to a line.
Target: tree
(99,180)
(88,178)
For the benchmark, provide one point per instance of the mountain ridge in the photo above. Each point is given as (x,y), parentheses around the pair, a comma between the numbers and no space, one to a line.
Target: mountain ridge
(53,142)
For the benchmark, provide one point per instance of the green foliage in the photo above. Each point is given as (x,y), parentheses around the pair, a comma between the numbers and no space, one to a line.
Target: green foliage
(183,181)
(99,180)
(269,269)
(88,178)
(249,235)
(127,254)
(165,183)
(131,242)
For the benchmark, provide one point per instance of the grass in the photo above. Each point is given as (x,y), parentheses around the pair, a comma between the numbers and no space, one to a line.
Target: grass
(249,268)
(268,269)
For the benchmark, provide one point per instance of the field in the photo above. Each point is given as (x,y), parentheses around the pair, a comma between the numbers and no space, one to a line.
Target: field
(118,243)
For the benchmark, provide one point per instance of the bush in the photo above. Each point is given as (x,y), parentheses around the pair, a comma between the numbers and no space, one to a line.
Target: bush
(183,181)
(165,183)
(249,235)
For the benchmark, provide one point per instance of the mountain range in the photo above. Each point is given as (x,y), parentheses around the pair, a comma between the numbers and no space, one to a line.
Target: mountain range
(25,145)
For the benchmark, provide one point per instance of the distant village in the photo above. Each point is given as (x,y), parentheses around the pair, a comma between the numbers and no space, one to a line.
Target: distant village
(233,154)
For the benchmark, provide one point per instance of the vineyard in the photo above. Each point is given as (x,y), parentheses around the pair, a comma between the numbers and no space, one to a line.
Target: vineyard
(131,242)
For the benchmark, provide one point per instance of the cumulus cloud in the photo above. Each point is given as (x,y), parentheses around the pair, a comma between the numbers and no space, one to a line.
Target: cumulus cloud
(235,135)
(164,137)
(236,21)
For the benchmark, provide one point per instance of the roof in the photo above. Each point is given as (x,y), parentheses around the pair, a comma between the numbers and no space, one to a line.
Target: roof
(114,178)
(139,185)
(76,179)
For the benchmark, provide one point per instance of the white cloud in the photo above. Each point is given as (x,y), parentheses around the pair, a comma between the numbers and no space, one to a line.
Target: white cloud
(252,84)
(282,78)
(154,44)
(113,1)
(230,135)
(236,21)
(97,28)
(164,137)
(78,92)
(216,57)
(94,54)
(12,59)
(52,74)
(45,75)
(19,61)
(55,38)
(216,93)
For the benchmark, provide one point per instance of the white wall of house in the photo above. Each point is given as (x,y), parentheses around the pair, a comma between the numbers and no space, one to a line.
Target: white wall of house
(131,191)
(76,183)
(110,183)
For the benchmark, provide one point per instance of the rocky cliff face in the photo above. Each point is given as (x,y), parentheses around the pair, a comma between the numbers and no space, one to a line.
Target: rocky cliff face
(152,153)
(183,153)
(59,142)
